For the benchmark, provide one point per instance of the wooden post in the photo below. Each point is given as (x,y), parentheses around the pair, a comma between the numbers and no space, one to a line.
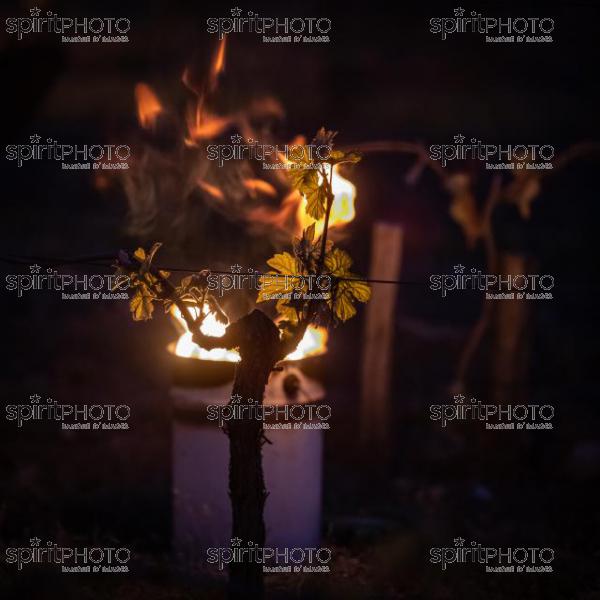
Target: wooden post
(386,256)
(510,355)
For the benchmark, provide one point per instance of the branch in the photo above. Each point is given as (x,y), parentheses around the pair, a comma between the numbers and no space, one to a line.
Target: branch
(416,148)
(478,331)
(330,199)
(289,344)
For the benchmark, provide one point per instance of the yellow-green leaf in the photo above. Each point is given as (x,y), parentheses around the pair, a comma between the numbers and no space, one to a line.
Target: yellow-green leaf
(140,254)
(141,305)
(316,198)
(358,289)
(299,154)
(274,285)
(284,262)
(303,178)
(343,307)
(338,262)
(309,233)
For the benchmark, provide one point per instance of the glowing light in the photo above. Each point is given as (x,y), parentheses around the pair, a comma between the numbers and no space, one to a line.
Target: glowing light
(313,343)
(210,326)
(342,209)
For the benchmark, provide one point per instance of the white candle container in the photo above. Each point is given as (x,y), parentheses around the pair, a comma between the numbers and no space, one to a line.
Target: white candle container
(292,467)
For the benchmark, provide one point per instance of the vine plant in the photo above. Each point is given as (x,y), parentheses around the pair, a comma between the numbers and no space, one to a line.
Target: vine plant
(262,343)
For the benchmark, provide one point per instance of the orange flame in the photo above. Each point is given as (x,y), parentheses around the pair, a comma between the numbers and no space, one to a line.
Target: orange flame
(283,219)
(201,123)
(148,105)
(218,64)
(210,189)
(259,186)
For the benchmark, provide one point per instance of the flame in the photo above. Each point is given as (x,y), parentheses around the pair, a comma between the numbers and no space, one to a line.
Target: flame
(201,123)
(284,219)
(218,63)
(148,105)
(210,189)
(210,326)
(292,215)
(313,343)
(342,209)
(259,186)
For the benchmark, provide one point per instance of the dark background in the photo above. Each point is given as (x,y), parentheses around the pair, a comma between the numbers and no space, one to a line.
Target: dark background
(383,76)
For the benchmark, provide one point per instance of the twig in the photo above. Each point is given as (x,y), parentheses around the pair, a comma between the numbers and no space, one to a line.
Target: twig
(478,331)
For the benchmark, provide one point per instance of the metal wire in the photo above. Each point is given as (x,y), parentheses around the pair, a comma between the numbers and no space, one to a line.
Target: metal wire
(100,260)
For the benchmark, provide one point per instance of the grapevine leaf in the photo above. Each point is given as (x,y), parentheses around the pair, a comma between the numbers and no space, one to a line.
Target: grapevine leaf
(338,262)
(275,283)
(303,177)
(348,288)
(141,305)
(300,155)
(140,254)
(284,263)
(316,198)
(343,307)
(357,288)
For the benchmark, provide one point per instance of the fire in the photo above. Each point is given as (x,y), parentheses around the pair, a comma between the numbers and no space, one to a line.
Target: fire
(148,105)
(283,220)
(342,209)
(210,326)
(203,124)
(210,189)
(218,63)
(313,343)
(259,186)
(291,216)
